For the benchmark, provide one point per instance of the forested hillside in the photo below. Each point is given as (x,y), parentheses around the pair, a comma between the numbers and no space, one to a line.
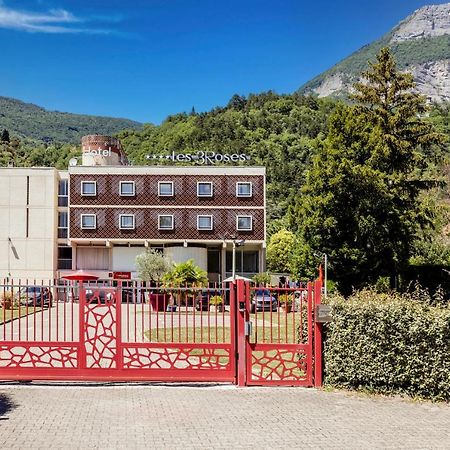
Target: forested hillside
(276,131)
(31,122)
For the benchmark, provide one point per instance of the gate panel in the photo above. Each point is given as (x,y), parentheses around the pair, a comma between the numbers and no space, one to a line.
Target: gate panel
(279,347)
(99,325)
(173,334)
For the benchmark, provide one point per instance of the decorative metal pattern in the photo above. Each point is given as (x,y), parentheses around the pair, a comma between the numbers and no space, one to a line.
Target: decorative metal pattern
(278,364)
(146,224)
(185,187)
(100,332)
(38,356)
(183,357)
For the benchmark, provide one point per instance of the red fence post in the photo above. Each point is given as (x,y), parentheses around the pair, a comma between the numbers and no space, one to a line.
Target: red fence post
(241,343)
(318,370)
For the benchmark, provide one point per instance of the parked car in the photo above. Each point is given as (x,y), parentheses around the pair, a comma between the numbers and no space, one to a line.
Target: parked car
(202,300)
(263,300)
(36,296)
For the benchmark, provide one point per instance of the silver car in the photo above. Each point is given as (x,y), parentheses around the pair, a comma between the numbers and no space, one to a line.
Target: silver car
(263,300)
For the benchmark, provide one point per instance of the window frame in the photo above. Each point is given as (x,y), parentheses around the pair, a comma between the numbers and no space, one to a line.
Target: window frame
(89,182)
(159,189)
(244,229)
(205,215)
(205,195)
(128,182)
(127,228)
(88,215)
(165,228)
(244,195)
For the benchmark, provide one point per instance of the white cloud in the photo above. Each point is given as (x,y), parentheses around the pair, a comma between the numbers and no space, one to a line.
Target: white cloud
(53,21)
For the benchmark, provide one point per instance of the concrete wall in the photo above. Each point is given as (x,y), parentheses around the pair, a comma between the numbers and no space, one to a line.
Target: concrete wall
(123,258)
(183,254)
(28,221)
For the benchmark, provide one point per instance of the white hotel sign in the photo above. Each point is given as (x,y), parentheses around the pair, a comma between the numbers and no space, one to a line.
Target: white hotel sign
(202,157)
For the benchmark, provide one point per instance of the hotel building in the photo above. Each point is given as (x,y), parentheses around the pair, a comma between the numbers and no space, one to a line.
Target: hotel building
(102,212)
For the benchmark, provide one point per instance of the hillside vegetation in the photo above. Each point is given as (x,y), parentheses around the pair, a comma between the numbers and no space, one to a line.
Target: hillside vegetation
(28,121)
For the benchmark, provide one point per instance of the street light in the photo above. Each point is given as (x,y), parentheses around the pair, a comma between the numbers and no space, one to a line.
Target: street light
(325,259)
(236,243)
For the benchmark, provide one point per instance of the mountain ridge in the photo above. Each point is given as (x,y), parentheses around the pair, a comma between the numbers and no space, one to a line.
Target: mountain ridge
(33,122)
(421,45)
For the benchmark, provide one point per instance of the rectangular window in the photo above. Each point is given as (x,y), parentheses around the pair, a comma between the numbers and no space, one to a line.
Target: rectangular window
(127,188)
(88,221)
(204,222)
(165,188)
(246,261)
(62,224)
(244,223)
(89,188)
(204,189)
(165,222)
(64,258)
(63,193)
(244,189)
(126,221)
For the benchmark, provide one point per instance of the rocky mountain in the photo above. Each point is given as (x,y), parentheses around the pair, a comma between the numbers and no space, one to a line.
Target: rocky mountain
(32,122)
(421,44)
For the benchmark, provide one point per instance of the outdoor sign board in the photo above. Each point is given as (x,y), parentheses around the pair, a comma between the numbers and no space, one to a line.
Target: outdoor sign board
(323,313)
(121,275)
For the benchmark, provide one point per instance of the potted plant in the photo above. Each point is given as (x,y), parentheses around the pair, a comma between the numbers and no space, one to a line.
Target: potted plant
(186,278)
(151,266)
(6,300)
(216,303)
(285,301)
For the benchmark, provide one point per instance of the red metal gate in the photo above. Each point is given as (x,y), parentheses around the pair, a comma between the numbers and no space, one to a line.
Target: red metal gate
(98,332)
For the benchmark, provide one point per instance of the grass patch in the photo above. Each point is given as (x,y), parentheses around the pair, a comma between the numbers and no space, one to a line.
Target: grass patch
(261,334)
(6,315)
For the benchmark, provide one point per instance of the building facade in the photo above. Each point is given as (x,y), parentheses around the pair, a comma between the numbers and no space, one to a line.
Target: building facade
(100,214)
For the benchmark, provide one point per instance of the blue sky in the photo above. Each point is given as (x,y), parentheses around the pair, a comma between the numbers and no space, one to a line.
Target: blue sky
(146,59)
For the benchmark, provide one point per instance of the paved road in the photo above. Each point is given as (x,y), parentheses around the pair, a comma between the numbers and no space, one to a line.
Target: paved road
(209,417)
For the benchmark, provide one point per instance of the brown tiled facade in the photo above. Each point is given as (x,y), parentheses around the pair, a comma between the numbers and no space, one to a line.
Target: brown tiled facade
(185,224)
(185,190)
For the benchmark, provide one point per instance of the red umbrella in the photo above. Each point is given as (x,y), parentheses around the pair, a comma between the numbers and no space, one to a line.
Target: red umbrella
(81,275)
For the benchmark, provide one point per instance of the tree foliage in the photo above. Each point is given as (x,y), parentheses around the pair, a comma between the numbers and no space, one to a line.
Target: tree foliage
(280,250)
(152,265)
(186,274)
(361,204)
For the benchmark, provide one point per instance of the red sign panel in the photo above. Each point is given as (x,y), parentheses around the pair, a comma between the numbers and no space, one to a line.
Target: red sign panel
(122,275)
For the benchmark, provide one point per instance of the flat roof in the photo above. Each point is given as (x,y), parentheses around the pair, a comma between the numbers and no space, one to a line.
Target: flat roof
(169,170)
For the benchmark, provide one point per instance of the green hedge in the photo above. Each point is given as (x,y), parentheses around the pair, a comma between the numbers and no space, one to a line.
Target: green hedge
(389,343)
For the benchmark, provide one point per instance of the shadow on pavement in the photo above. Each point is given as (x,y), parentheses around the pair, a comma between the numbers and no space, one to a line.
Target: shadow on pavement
(116,384)
(6,405)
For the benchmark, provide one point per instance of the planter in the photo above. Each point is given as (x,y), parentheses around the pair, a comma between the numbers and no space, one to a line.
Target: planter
(159,302)
(286,308)
(216,308)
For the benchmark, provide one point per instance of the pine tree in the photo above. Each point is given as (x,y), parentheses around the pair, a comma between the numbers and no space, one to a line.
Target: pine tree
(360,203)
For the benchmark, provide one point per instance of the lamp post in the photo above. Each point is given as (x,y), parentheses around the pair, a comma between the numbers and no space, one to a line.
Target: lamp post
(325,261)
(236,243)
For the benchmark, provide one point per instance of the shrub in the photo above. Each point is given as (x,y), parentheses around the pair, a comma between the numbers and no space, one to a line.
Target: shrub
(261,278)
(186,274)
(216,300)
(389,343)
(286,299)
